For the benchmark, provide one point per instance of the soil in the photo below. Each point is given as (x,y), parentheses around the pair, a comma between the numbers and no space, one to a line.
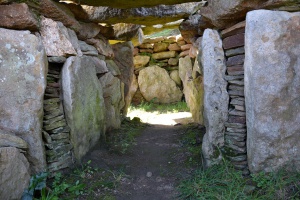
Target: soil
(154,167)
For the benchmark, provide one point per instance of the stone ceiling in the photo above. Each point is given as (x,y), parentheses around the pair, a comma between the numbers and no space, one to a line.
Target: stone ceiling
(126,4)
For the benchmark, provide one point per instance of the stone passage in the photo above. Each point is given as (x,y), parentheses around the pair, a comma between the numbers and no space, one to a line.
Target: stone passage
(56,132)
(235,133)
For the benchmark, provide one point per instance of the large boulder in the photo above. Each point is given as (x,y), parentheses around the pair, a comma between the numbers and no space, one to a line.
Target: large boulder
(272,90)
(83,103)
(216,98)
(18,16)
(192,88)
(14,173)
(156,85)
(23,70)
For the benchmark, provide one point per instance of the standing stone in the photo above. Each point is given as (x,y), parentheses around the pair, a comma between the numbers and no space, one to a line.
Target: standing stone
(272,90)
(192,88)
(23,69)
(83,103)
(14,173)
(113,98)
(216,98)
(156,85)
(124,60)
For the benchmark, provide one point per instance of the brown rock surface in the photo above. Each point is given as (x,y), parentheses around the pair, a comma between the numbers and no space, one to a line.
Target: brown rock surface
(18,16)
(234,41)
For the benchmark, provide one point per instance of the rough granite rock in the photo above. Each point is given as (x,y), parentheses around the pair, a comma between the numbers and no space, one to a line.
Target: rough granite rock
(18,16)
(160,14)
(216,98)
(59,12)
(23,62)
(156,85)
(56,38)
(175,77)
(272,90)
(113,98)
(14,173)
(83,103)
(124,60)
(102,45)
(140,61)
(88,30)
(10,140)
(192,88)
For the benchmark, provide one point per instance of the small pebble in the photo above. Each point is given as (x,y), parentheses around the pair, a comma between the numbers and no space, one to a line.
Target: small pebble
(149,174)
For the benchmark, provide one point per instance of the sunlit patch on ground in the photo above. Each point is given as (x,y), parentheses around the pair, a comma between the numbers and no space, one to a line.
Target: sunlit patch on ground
(163,119)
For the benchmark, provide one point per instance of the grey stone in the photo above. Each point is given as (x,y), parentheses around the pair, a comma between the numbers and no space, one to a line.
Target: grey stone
(156,85)
(57,59)
(83,103)
(237,113)
(234,52)
(64,156)
(235,125)
(113,67)
(47,137)
(100,65)
(60,136)
(10,140)
(272,104)
(237,82)
(55,125)
(61,164)
(53,120)
(234,87)
(102,45)
(87,49)
(238,158)
(53,113)
(14,173)
(56,144)
(236,138)
(65,129)
(216,98)
(239,93)
(232,78)
(23,68)
(59,150)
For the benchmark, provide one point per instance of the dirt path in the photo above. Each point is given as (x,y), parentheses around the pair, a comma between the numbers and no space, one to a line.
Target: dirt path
(154,167)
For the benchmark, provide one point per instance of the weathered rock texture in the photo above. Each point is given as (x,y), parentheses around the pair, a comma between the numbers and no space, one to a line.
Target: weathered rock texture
(23,62)
(18,16)
(14,173)
(156,85)
(272,89)
(192,87)
(215,96)
(83,103)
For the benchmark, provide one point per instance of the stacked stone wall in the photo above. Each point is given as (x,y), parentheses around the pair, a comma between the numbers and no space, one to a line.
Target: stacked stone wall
(236,131)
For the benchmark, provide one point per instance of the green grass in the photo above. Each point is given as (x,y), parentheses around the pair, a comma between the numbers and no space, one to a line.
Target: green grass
(121,140)
(223,182)
(161,108)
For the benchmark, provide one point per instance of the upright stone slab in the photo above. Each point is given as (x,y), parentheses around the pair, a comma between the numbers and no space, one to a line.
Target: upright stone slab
(272,90)
(23,69)
(83,103)
(216,98)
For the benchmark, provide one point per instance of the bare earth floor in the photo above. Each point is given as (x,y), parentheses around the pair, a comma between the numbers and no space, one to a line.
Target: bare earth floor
(154,167)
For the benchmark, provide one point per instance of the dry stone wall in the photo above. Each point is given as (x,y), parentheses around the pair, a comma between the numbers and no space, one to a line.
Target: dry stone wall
(235,134)
(179,75)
